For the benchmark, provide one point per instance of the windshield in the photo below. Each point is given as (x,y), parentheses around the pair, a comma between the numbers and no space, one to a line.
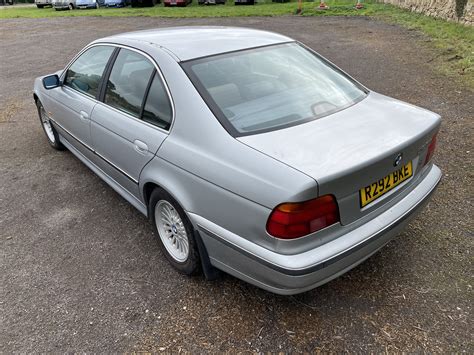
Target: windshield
(272,87)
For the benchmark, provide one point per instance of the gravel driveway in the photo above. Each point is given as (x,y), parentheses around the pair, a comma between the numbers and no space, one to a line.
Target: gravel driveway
(80,269)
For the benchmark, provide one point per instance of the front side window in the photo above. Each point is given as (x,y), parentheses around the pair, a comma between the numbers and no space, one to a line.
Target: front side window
(85,73)
(157,110)
(128,82)
(263,89)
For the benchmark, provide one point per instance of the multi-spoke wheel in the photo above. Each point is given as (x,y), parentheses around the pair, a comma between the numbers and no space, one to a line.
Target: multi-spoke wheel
(171,230)
(48,128)
(175,232)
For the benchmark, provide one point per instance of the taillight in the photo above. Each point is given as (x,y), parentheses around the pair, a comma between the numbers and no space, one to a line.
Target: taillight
(431,150)
(294,220)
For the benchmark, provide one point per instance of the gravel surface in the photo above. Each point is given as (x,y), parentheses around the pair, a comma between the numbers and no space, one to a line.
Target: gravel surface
(80,269)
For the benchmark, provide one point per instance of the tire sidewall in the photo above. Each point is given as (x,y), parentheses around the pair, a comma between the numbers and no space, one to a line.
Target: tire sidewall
(192,264)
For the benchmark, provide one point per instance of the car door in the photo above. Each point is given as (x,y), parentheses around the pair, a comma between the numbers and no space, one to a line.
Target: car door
(75,99)
(133,118)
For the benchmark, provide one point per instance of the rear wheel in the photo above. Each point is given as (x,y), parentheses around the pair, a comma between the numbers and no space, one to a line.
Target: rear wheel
(51,134)
(175,232)
(71,7)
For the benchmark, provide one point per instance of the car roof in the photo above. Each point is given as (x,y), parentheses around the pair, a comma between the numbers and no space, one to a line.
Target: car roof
(195,42)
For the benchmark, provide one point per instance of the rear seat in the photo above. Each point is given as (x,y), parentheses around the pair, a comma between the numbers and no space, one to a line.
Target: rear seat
(227,95)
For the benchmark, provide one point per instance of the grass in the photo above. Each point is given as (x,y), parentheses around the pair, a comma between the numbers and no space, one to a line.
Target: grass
(262,8)
(455,42)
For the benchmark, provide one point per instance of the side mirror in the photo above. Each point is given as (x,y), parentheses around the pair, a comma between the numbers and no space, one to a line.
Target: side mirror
(51,82)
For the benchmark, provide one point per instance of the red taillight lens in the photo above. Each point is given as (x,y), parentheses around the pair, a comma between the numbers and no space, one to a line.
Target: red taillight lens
(431,150)
(294,220)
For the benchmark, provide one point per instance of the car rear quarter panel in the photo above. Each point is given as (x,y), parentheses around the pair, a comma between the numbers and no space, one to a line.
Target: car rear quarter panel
(212,174)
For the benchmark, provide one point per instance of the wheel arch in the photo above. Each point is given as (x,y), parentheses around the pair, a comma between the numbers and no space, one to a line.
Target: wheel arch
(176,188)
(155,175)
(147,189)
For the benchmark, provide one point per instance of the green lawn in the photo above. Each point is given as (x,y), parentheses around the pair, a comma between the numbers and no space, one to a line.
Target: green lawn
(455,42)
(262,8)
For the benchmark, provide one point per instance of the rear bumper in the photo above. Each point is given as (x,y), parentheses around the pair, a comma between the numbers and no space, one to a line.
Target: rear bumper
(296,273)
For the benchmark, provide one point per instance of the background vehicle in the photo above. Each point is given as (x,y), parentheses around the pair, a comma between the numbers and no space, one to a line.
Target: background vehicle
(89,4)
(64,4)
(6,2)
(211,2)
(42,3)
(143,3)
(177,2)
(115,3)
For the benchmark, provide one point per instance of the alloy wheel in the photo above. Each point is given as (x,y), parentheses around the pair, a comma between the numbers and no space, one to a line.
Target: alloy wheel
(47,124)
(172,231)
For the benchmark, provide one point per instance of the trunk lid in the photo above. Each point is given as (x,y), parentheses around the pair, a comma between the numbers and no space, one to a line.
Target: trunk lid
(351,149)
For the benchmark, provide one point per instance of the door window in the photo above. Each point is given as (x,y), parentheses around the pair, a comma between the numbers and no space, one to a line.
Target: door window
(128,82)
(157,109)
(85,73)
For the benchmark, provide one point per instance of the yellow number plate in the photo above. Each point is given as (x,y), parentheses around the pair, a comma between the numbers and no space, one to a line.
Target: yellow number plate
(375,190)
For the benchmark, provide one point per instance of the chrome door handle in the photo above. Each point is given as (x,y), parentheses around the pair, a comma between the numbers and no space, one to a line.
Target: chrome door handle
(140,146)
(84,115)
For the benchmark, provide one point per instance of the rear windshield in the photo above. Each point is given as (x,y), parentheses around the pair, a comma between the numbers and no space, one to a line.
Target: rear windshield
(268,88)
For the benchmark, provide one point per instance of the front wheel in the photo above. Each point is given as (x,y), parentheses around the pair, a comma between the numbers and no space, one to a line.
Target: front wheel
(71,7)
(51,134)
(175,232)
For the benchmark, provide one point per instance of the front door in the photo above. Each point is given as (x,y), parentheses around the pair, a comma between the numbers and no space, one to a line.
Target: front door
(76,98)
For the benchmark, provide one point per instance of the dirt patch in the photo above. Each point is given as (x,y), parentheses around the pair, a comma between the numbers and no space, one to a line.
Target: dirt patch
(9,111)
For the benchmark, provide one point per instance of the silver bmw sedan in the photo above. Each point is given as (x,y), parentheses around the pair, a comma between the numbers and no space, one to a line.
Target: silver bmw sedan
(248,151)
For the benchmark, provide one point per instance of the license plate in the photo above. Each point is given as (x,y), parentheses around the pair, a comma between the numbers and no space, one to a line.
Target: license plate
(378,188)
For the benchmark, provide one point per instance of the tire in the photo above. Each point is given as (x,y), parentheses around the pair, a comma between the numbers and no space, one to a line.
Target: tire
(39,6)
(51,134)
(71,7)
(175,232)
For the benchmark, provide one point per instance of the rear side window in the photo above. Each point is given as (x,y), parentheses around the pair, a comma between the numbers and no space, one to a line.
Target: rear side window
(85,73)
(128,82)
(157,110)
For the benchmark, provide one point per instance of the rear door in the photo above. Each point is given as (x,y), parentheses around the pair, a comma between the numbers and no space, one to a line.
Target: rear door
(133,118)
